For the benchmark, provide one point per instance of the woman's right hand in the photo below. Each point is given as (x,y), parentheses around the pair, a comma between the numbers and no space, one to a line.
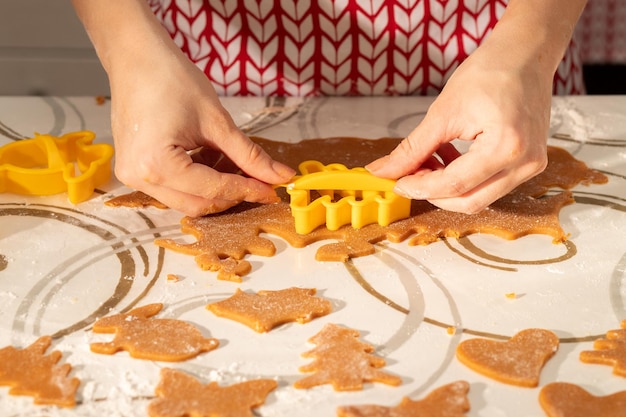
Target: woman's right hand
(164,109)
(159,116)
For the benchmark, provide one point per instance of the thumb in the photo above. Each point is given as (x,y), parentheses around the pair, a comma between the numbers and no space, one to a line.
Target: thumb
(411,153)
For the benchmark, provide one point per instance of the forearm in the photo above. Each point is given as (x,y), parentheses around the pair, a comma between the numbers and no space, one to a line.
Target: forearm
(536,32)
(124,33)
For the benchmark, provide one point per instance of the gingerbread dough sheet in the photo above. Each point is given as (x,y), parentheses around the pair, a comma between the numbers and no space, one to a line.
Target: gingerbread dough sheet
(525,210)
(409,298)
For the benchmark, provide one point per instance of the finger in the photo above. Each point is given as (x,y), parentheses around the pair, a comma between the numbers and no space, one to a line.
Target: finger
(192,206)
(411,153)
(480,197)
(469,183)
(456,179)
(177,171)
(202,181)
(254,161)
(187,204)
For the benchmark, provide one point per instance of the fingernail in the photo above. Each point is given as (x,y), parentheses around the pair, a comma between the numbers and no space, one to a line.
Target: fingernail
(412,193)
(377,164)
(283,170)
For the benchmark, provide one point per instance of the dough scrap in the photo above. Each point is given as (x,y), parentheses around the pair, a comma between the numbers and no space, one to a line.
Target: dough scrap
(517,361)
(561,399)
(30,372)
(180,394)
(144,337)
(234,233)
(228,269)
(135,199)
(268,309)
(343,361)
(449,400)
(609,351)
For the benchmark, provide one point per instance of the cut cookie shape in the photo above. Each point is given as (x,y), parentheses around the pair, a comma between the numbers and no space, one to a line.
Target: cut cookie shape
(517,361)
(267,309)
(343,361)
(29,372)
(154,339)
(610,351)
(560,399)
(182,395)
(447,401)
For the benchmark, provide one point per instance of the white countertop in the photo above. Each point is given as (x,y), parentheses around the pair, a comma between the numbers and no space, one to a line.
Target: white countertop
(62,266)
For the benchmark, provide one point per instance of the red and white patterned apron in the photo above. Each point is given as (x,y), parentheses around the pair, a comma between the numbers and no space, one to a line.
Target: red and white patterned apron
(602,32)
(337,47)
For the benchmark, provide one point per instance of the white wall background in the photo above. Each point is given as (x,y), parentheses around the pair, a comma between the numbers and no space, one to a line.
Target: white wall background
(45,50)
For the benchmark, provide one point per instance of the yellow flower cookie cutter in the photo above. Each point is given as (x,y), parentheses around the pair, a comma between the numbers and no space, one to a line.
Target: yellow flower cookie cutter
(46,165)
(363,198)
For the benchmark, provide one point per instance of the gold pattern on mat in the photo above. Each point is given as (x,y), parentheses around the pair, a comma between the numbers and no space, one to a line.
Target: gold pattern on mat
(570,251)
(126,273)
(450,328)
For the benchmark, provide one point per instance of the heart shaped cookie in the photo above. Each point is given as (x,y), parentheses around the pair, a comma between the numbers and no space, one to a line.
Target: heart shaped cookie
(560,399)
(517,361)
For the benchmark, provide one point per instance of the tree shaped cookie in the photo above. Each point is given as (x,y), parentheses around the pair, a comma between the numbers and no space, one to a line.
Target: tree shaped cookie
(517,361)
(560,399)
(343,361)
(148,338)
(29,372)
(182,395)
(609,351)
(447,401)
(267,309)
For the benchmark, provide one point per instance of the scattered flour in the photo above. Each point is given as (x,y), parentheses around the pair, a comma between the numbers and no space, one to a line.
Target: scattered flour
(567,118)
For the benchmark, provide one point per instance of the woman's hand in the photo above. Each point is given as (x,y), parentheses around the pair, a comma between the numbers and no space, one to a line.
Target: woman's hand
(504,114)
(499,100)
(161,115)
(169,128)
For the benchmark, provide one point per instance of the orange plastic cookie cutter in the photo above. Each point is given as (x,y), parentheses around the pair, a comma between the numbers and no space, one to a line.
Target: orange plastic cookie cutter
(46,165)
(364,198)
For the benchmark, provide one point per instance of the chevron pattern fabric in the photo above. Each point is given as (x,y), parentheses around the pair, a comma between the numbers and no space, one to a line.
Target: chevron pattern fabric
(602,32)
(336,47)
